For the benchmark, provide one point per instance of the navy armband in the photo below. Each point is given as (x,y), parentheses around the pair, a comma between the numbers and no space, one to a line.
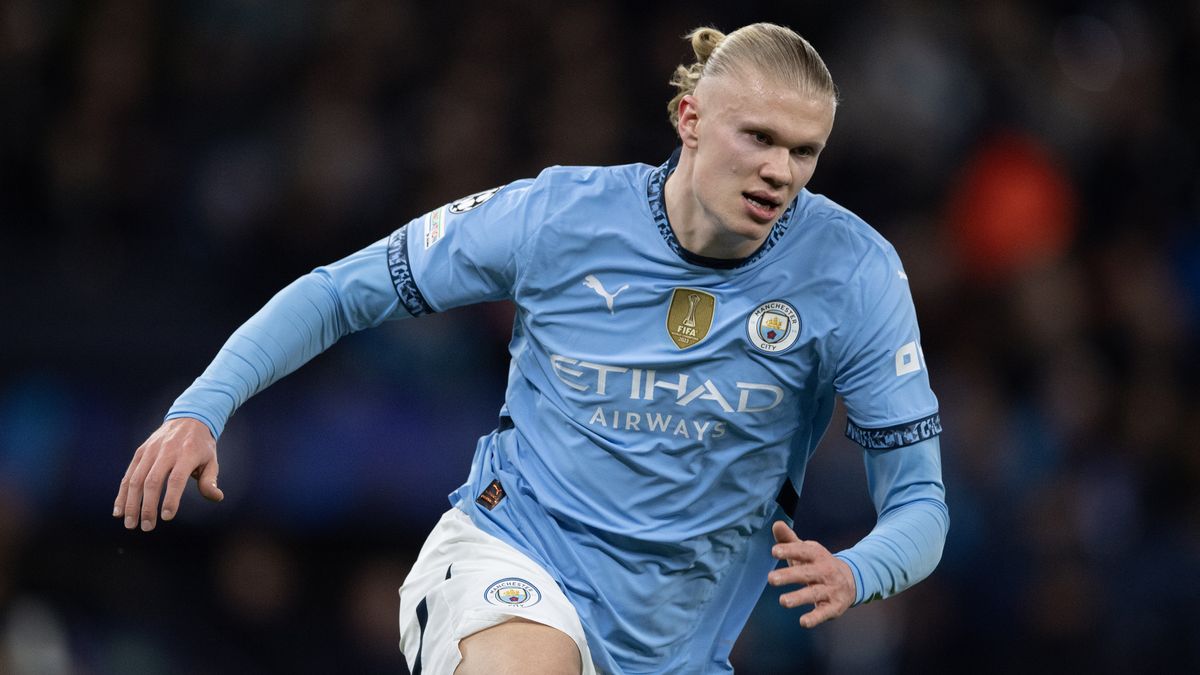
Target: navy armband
(896,436)
(402,278)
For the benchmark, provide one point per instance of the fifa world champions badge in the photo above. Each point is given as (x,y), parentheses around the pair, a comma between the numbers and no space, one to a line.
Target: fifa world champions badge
(513,592)
(773,326)
(690,316)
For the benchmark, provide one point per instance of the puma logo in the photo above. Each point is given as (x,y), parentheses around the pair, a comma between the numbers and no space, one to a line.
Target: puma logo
(593,283)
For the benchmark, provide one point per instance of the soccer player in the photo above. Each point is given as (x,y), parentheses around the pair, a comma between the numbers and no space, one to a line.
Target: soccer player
(681,333)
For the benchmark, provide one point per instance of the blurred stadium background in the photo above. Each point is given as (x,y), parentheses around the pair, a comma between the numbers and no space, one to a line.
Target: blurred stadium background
(168,165)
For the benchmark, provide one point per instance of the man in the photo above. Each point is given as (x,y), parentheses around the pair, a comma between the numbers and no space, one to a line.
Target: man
(680,335)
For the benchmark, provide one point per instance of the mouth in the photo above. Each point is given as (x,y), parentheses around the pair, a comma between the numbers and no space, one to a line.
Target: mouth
(762,206)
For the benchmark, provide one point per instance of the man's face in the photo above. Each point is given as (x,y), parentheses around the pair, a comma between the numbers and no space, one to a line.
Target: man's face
(754,144)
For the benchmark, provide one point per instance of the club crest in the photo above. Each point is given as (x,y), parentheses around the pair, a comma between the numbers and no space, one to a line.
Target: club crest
(512,592)
(773,326)
(690,316)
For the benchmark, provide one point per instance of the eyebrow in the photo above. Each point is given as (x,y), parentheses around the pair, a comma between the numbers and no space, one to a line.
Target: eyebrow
(774,134)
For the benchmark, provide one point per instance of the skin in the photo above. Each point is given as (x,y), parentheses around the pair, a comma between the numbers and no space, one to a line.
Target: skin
(518,647)
(828,583)
(161,466)
(745,136)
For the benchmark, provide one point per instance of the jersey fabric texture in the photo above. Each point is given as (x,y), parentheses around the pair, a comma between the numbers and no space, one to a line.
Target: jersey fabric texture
(657,402)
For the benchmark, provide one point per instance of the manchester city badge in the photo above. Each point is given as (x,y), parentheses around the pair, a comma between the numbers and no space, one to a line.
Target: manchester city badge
(513,592)
(773,326)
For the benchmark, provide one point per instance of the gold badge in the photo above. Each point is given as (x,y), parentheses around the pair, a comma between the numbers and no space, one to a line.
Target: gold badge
(690,316)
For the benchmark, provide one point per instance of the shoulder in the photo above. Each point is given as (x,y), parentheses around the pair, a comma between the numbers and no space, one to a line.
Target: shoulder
(589,180)
(829,219)
(564,196)
(844,244)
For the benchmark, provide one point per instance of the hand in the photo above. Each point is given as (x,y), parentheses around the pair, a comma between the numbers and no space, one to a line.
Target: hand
(180,448)
(828,581)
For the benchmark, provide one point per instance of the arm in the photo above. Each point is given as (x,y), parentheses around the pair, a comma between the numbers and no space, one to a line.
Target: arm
(902,549)
(892,414)
(301,321)
(458,254)
(906,543)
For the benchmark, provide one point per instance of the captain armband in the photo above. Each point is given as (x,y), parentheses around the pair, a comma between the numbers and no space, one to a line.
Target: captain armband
(898,436)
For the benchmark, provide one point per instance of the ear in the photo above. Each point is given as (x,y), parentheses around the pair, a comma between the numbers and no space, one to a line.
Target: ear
(689,120)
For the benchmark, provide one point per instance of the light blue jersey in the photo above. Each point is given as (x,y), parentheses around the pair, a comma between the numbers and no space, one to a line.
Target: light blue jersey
(657,403)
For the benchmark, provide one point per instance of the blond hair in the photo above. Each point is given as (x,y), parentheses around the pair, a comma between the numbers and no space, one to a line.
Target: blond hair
(763,47)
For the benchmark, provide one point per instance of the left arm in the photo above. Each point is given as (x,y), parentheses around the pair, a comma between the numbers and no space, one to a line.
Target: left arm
(892,414)
(912,521)
(903,548)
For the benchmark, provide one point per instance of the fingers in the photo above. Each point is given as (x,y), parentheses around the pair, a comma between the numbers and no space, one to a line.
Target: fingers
(827,583)
(133,495)
(828,601)
(796,574)
(208,482)
(785,538)
(783,533)
(123,491)
(809,595)
(176,482)
(156,480)
(819,615)
(206,479)
(799,551)
(160,469)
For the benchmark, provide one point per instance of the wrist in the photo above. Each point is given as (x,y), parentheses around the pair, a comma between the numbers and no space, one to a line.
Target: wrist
(190,422)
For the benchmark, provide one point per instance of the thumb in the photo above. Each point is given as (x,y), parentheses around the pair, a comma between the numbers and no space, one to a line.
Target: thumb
(783,533)
(208,483)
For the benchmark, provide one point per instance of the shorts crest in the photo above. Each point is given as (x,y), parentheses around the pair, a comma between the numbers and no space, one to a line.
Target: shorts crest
(512,592)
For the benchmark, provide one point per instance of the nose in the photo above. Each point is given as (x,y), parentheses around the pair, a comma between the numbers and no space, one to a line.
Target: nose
(777,169)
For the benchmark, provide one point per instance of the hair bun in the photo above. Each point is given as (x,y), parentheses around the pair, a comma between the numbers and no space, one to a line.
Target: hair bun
(705,41)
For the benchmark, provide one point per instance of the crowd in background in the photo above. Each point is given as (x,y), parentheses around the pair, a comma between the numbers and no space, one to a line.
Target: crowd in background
(166,166)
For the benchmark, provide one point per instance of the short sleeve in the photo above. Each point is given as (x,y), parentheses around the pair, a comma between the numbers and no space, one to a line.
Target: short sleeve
(468,251)
(882,375)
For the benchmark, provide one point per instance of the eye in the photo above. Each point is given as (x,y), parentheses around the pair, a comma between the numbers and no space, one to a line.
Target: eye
(760,137)
(804,151)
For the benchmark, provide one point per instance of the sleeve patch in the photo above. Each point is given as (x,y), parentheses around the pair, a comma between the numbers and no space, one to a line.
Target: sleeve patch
(435,226)
(402,278)
(897,436)
(471,201)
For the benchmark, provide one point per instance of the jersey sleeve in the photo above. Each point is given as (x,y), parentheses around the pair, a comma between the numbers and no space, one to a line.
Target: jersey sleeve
(299,322)
(471,250)
(881,371)
(907,541)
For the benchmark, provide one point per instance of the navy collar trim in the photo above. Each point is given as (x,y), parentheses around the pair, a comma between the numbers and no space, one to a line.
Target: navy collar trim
(656,194)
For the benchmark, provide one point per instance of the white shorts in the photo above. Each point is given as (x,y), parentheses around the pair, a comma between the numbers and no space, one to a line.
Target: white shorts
(466,580)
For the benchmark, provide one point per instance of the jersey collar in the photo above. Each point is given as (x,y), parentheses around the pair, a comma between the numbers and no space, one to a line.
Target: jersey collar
(656,194)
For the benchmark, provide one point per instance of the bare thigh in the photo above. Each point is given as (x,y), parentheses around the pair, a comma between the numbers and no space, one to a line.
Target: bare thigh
(519,647)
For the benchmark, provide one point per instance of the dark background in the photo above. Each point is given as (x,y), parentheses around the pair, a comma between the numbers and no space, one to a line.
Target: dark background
(166,166)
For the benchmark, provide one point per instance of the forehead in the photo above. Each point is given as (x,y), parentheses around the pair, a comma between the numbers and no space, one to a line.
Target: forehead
(751,98)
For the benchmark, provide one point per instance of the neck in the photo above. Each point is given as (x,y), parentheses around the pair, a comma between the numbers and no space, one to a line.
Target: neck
(694,226)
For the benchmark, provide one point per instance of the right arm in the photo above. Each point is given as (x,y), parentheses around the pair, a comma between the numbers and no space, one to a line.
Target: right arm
(301,321)
(466,252)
